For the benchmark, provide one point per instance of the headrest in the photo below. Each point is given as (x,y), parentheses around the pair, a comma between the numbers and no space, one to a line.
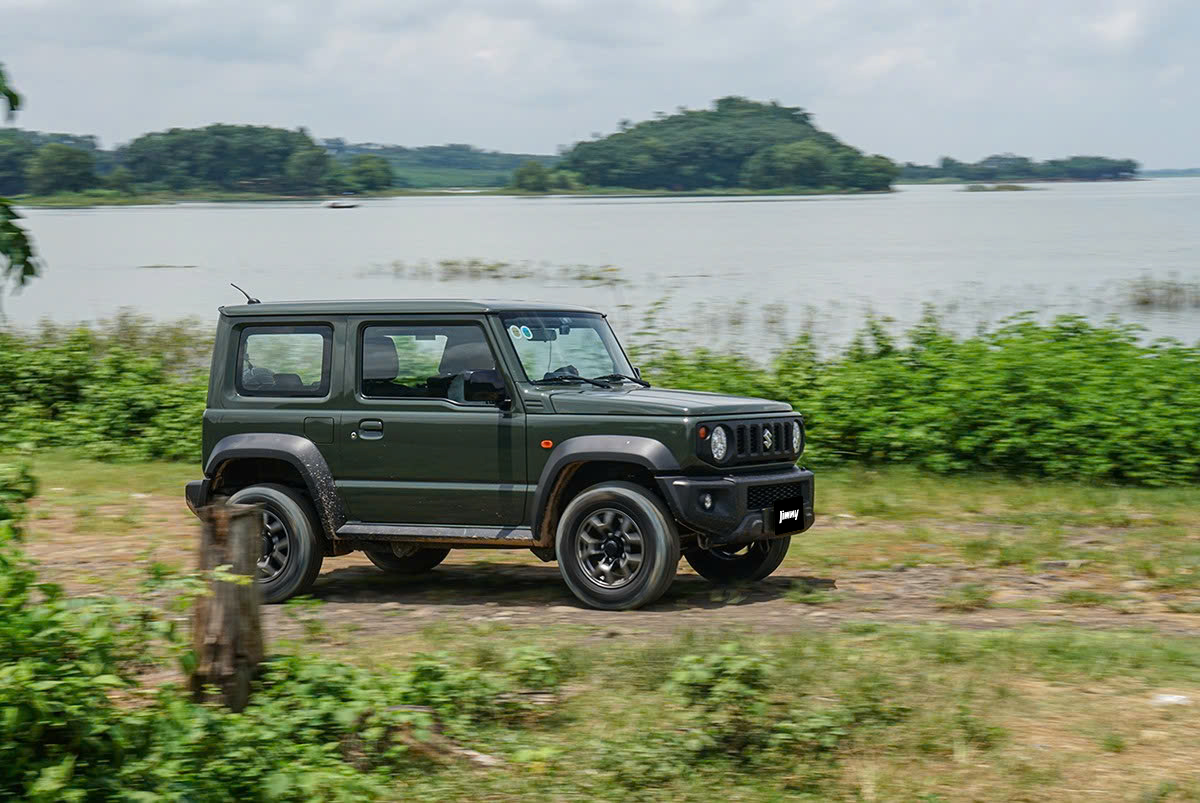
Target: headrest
(379,358)
(470,355)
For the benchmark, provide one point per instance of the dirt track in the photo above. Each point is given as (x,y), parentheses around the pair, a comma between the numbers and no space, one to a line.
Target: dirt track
(516,588)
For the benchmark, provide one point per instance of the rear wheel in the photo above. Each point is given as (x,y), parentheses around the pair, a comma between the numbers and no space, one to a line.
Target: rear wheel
(291,550)
(746,563)
(617,547)
(406,558)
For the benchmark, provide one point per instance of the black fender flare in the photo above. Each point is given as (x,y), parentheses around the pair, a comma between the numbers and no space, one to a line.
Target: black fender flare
(299,452)
(648,453)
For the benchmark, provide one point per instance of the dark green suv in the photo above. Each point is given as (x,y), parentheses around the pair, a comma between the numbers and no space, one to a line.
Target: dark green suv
(409,428)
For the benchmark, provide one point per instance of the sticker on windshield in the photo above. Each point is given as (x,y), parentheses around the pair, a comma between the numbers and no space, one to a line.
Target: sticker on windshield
(526,333)
(515,332)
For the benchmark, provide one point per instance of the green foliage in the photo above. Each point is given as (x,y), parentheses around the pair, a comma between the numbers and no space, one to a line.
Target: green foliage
(738,141)
(60,168)
(794,164)
(305,170)
(370,172)
(453,165)
(1067,399)
(16,152)
(229,157)
(17,486)
(726,690)
(17,258)
(114,394)
(73,725)
(60,662)
(969,597)
(1009,167)
(531,177)
(120,180)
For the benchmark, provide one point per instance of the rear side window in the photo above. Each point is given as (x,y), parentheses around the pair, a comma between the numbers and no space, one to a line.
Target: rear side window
(284,361)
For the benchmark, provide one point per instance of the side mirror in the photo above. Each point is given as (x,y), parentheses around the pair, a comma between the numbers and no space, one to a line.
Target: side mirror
(637,372)
(486,386)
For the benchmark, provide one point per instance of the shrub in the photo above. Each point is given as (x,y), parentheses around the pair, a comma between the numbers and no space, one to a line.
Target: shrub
(1067,399)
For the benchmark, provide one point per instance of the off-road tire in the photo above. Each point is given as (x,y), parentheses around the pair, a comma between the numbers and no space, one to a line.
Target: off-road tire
(421,561)
(747,564)
(304,552)
(627,508)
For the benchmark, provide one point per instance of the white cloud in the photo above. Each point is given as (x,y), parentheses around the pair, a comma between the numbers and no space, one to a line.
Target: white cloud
(914,79)
(1119,27)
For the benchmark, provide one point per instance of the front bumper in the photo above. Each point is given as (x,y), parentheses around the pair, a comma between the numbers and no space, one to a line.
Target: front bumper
(739,503)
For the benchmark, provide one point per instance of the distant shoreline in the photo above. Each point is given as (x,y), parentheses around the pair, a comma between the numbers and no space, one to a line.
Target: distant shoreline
(84,200)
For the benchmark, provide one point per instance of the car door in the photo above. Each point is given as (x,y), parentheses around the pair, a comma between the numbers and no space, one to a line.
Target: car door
(427,437)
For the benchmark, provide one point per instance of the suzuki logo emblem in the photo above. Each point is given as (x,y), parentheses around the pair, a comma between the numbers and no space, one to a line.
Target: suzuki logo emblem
(768,440)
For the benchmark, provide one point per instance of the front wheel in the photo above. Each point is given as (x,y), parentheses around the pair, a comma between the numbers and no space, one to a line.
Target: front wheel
(291,550)
(617,547)
(747,563)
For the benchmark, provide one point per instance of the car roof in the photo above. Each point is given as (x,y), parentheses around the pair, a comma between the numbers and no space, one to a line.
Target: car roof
(385,306)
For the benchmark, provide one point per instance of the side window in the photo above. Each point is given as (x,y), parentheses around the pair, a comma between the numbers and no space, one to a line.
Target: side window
(284,361)
(429,361)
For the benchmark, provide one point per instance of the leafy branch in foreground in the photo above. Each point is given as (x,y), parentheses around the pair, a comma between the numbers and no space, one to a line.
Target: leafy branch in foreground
(15,246)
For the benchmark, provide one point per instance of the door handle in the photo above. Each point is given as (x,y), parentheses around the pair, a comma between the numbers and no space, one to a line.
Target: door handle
(370,429)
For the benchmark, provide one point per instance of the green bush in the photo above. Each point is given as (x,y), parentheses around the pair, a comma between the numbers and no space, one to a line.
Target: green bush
(75,726)
(124,390)
(1067,399)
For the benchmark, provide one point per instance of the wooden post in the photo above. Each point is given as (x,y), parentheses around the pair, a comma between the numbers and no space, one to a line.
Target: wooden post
(226,630)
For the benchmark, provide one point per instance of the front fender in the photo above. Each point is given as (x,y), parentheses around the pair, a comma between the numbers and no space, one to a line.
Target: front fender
(301,453)
(648,453)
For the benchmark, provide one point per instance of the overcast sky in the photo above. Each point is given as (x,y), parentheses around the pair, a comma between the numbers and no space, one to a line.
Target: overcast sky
(912,79)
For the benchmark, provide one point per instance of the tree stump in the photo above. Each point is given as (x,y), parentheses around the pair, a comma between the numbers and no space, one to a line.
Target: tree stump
(226,630)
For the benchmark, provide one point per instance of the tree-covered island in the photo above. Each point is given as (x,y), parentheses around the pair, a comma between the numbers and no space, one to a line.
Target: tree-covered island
(736,146)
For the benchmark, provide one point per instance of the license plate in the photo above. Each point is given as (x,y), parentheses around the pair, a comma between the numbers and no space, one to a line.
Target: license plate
(789,515)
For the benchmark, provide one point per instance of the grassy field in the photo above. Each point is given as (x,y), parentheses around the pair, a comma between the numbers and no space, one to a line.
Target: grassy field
(933,638)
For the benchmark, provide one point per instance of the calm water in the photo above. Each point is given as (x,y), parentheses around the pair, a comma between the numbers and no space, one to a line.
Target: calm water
(733,271)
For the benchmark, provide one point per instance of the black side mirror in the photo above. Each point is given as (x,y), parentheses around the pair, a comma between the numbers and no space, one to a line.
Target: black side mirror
(486,386)
(637,372)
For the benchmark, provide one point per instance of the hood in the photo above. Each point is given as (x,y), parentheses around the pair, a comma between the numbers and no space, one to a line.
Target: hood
(630,399)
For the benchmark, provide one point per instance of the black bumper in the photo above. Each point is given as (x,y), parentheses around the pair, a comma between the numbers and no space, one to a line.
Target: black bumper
(197,494)
(739,503)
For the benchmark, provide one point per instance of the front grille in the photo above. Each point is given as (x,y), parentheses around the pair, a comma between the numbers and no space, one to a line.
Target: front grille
(760,496)
(749,439)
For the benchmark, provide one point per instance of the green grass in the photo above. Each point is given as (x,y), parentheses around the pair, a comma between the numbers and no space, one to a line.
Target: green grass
(969,597)
(64,475)
(867,711)
(941,712)
(1085,598)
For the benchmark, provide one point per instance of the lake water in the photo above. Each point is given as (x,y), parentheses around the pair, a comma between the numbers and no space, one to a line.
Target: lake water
(733,271)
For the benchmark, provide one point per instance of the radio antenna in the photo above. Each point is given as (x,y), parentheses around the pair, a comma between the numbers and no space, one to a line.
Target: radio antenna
(249,298)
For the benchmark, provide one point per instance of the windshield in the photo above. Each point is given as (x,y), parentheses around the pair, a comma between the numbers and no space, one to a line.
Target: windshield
(552,345)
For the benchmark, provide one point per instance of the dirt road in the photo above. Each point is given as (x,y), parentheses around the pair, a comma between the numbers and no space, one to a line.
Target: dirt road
(94,551)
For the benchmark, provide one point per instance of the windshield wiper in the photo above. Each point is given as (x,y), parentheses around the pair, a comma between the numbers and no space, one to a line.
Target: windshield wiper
(615,377)
(572,378)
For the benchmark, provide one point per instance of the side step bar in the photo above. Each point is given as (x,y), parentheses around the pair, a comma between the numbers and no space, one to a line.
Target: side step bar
(433,534)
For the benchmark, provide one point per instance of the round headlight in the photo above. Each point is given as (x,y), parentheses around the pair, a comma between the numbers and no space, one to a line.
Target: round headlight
(797,437)
(718,443)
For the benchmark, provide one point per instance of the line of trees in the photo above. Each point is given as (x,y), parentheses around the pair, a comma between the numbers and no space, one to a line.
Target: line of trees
(236,158)
(737,143)
(1010,167)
